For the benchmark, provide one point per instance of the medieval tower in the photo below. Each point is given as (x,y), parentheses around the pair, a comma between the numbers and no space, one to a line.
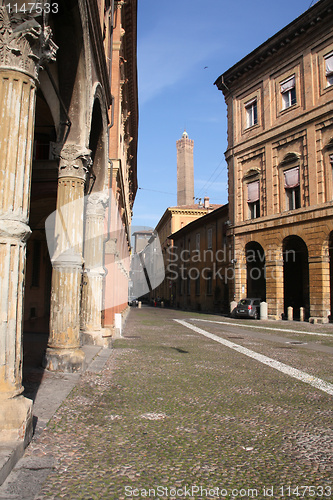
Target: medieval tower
(185,175)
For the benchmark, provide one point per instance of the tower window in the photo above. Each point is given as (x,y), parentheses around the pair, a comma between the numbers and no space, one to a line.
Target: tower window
(288,91)
(251,113)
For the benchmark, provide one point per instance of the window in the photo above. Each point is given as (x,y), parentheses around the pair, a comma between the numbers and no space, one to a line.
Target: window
(180,285)
(36,263)
(188,285)
(291,185)
(331,162)
(197,286)
(251,113)
(210,238)
(288,91)
(197,241)
(253,199)
(209,286)
(329,69)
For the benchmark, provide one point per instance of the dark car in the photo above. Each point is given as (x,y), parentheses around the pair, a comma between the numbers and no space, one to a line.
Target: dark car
(132,301)
(248,308)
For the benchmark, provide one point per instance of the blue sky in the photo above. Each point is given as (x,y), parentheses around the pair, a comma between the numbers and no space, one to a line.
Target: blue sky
(182,48)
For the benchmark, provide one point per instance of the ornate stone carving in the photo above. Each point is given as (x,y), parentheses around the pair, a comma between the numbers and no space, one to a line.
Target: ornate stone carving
(97,203)
(14,230)
(25,45)
(74,162)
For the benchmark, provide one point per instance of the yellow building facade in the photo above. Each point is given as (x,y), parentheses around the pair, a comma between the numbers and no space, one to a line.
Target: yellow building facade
(173,219)
(199,263)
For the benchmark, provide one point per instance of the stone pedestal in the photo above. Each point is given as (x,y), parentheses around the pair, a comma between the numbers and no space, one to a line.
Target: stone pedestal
(23,49)
(64,351)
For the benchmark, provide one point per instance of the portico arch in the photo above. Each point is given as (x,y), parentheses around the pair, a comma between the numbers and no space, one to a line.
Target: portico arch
(255,270)
(296,275)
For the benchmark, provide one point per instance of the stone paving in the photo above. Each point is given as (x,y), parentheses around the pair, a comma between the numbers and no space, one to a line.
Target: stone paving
(174,415)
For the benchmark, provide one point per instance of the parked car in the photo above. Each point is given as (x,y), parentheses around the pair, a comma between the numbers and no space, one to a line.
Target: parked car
(248,308)
(133,302)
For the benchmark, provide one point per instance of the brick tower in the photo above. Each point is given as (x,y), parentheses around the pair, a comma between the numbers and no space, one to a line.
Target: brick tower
(185,175)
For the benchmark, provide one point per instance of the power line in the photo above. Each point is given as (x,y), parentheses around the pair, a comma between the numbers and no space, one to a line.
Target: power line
(207,182)
(155,191)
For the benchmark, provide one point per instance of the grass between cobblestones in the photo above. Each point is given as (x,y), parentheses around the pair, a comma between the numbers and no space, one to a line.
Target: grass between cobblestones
(175,409)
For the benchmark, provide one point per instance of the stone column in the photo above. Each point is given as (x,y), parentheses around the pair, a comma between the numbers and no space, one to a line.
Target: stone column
(94,272)
(64,351)
(319,288)
(274,284)
(23,49)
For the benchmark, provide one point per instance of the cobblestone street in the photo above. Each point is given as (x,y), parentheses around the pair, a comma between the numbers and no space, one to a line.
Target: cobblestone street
(175,410)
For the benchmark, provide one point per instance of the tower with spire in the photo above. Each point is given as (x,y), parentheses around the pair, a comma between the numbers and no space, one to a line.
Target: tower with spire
(185,173)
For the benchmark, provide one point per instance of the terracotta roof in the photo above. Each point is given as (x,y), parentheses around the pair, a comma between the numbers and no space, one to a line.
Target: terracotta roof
(212,206)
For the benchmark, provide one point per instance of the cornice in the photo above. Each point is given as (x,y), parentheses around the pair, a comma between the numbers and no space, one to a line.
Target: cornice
(317,14)
(98,47)
(130,54)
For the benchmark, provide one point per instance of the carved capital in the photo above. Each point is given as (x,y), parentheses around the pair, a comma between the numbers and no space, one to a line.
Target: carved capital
(74,162)
(97,203)
(25,45)
(14,229)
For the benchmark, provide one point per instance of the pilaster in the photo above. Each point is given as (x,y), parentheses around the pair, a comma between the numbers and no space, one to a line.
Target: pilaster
(319,287)
(274,288)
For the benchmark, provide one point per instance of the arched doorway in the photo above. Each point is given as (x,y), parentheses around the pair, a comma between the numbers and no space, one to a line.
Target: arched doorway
(255,270)
(296,275)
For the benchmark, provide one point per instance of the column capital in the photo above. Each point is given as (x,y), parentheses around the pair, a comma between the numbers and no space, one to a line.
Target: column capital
(14,229)
(97,203)
(75,161)
(25,45)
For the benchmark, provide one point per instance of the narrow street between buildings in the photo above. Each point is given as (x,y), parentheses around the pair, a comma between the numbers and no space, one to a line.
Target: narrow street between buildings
(192,406)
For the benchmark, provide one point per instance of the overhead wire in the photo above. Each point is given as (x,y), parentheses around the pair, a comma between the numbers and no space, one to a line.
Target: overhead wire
(208,183)
(155,191)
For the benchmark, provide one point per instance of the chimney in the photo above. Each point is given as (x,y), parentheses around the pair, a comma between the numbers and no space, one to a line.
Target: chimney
(206,202)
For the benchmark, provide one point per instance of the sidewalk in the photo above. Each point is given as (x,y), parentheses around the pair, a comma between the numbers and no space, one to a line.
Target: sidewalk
(174,415)
(48,390)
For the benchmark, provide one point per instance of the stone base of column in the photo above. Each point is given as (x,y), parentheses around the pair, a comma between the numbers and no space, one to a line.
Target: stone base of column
(318,320)
(64,360)
(16,420)
(102,337)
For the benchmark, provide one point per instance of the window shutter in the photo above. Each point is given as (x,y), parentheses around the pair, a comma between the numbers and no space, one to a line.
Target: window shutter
(329,64)
(288,84)
(253,192)
(291,178)
(250,103)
